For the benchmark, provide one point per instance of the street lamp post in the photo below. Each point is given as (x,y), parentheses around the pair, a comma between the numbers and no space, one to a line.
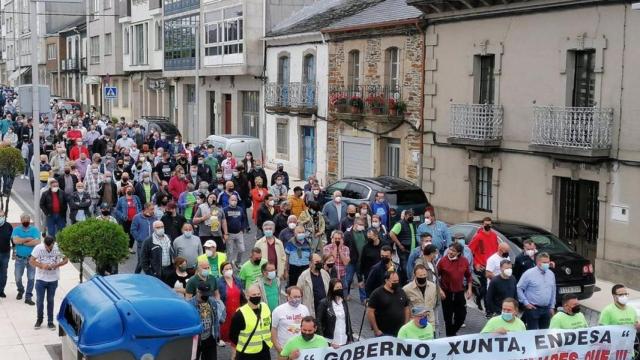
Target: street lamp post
(35,81)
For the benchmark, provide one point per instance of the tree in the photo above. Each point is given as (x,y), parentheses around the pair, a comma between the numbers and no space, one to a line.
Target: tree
(103,241)
(11,164)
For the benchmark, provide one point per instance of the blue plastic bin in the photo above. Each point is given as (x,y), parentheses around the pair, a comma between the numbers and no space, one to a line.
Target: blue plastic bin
(127,317)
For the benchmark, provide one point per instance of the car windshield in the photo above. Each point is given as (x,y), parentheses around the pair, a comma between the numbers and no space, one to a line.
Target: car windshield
(544,242)
(406,197)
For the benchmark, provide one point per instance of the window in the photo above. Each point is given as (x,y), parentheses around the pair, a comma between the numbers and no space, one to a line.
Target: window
(283,70)
(94,9)
(52,50)
(309,69)
(353,76)
(250,112)
(393,157)
(158,35)
(94,51)
(107,44)
(584,78)
(392,71)
(125,93)
(139,44)
(282,138)
(482,187)
(125,40)
(180,38)
(107,4)
(487,79)
(224,32)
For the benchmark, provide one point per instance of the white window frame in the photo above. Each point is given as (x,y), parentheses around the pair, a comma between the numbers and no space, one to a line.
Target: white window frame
(393,157)
(94,9)
(392,68)
(282,141)
(139,55)
(221,22)
(159,34)
(125,93)
(52,51)
(107,4)
(108,45)
(94,50)
(126,40)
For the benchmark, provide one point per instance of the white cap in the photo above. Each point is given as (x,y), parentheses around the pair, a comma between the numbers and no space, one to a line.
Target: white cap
(210,243)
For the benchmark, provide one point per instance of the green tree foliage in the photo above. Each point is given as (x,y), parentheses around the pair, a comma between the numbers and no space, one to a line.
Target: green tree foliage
(103,241)
(11,161)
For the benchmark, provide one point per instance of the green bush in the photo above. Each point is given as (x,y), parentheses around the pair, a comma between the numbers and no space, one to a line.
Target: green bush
(103,241)
(11,161)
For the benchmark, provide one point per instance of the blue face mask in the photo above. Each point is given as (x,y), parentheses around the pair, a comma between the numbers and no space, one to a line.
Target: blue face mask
(507,316)
(300,237)
(268,233)
(461,242)
(423,322)
(544,266)
(205,273)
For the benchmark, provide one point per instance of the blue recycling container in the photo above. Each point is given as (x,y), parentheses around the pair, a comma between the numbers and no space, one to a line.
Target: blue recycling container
(127,317)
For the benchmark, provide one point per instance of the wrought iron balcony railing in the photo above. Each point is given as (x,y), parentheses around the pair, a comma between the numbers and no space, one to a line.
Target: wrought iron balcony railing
(72,64)
(178,6)
(475,124)
(294,97)
(581,130)
(367,99)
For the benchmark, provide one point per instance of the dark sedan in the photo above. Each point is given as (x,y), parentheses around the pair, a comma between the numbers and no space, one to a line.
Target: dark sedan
(574,274)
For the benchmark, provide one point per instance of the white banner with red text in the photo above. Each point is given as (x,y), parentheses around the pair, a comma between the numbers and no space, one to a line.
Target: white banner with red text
(595,343)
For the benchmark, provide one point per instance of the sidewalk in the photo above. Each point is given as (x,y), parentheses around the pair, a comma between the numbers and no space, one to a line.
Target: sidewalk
(18,339)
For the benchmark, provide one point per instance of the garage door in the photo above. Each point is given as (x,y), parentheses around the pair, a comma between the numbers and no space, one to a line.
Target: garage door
(356,157)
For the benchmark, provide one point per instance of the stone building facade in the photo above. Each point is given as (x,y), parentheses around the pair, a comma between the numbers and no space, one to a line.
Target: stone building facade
(382,66)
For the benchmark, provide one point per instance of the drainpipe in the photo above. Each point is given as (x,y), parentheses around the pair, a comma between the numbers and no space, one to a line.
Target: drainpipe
(422,87)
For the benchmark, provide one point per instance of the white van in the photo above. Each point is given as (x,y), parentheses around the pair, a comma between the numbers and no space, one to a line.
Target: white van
(238,145)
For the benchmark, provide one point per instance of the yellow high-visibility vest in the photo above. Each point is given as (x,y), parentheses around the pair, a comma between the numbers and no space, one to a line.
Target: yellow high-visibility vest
(262,333)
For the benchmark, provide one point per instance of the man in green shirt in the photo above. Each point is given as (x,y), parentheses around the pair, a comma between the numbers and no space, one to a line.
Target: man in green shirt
(211,161)
(251,270)
(570,317)
(203,274)
(306,340)
(270,285)
(507,321)
(619,313)
(418,328)
(403,235)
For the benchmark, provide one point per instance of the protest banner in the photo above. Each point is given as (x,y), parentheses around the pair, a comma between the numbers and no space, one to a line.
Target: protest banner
(596,343)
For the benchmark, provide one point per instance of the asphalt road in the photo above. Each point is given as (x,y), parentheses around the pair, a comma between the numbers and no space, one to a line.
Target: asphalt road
(474,322)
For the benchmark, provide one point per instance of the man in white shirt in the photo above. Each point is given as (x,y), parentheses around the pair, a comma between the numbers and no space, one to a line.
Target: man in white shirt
(124,142)
(47,259)
(286,318)
(493,262)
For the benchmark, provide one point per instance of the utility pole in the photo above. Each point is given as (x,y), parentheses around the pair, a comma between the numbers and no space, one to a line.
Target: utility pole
(35,81)
(196,126)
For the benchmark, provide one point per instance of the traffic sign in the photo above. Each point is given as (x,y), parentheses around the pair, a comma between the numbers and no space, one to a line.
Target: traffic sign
(110,92)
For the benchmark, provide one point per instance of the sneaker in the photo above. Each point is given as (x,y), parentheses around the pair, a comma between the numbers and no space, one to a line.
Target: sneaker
(3,295)
(38,324)
(131,251)
(463,325)
(221,343)
(19,297)
(29,302)
(51,326)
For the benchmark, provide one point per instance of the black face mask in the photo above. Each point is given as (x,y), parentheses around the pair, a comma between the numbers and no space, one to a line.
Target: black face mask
(330,265)
(338,292)
(307,337)
(255,300)
(106,212)
(318,266)
(204,298)
(421,281)
(505,255)
(352,215)
(385,260)
(410,219)
(395,286)
(487,227)
(256,262)
(575,309)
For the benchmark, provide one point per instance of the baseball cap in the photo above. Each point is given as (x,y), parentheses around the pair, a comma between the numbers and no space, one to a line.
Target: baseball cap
(418,310)
(204,288)
(210,243)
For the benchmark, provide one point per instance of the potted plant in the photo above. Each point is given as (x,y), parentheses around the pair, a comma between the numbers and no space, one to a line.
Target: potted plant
(103,241)
(376,103)
(338,102)
(11,164)
(401,107)
(357,105)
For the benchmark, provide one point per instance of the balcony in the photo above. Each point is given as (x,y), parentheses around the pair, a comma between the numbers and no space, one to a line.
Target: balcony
(475,125)
(572,131)
(70,64)
(295,97)
(177,6)
(375,107)
(188,63)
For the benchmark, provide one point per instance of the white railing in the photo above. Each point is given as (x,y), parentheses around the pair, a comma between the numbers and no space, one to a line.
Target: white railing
(572,127)
(480,122)
(291,95)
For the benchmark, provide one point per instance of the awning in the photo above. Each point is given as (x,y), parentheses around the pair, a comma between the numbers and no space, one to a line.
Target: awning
(90,80)
(16,74)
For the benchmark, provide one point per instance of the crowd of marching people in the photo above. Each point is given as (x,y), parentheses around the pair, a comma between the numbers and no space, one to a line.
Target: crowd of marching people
(188,210)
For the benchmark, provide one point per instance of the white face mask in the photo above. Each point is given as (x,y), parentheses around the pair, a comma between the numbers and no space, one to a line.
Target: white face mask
(209,253)
(292,226)
(530,252)
(375,224)
(337,199)
(427,221)
(507,272)
(623,299)
(228,273)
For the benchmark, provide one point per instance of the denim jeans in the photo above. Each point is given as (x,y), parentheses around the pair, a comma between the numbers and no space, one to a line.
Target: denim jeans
(50,288)
(348,280)
(21,265)
(138,269)
(55,223)
(538,318)
(4,265)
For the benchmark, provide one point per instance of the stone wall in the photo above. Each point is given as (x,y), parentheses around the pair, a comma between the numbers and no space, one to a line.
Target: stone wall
(372,45)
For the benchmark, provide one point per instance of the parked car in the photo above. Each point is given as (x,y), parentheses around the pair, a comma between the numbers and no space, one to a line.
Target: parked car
(58,99)
(574,273)
(238,145)
(400,193)
(70,105)
(635,303)
(159,124)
